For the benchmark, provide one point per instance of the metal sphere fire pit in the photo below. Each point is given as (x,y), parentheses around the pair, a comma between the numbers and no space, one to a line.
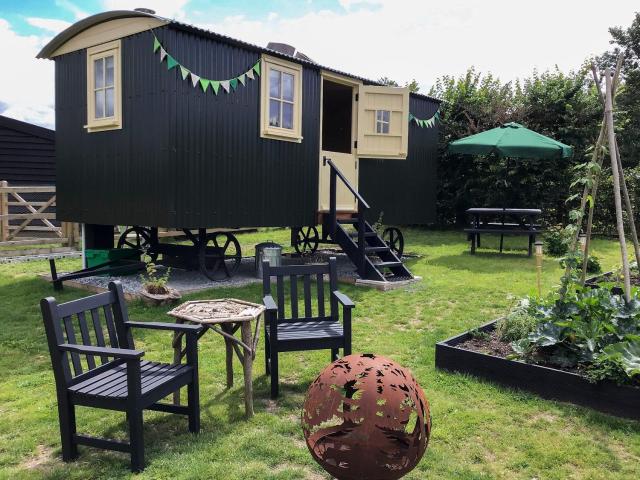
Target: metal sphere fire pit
(365,416)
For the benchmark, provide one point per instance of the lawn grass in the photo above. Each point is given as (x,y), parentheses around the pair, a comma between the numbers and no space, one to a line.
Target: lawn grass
(480,430)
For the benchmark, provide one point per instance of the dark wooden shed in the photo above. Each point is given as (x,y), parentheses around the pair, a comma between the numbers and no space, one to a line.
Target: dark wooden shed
(27,153)
(157,142)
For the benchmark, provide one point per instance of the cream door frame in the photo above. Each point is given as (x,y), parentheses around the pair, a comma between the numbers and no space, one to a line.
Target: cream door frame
(347,162)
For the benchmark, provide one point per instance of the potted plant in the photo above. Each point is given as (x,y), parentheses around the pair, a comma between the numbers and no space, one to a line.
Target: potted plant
(155,290)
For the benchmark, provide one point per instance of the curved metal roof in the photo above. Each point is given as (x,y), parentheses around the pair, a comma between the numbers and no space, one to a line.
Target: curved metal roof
(98,18)
(82,25)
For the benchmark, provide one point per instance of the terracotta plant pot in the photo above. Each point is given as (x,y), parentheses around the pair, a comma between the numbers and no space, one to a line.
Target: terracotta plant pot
(156,299)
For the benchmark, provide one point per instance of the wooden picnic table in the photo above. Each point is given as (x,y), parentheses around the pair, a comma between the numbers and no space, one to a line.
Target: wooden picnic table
(503,221)
(225,316)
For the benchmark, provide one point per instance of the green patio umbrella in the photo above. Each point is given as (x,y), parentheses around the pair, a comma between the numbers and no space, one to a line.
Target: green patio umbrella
(511,140)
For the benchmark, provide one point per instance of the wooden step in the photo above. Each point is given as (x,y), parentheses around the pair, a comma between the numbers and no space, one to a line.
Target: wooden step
(376,249)
(352,221)
(366,234)
(387,264)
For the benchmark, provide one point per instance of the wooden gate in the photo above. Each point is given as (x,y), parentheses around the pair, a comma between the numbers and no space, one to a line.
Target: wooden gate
(27,217)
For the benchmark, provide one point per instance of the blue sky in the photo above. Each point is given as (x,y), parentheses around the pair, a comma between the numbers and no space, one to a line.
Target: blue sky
(401,39)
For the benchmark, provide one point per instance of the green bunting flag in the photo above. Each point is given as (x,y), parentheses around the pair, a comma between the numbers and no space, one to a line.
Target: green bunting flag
(228,85)
(425,123)
(171,62)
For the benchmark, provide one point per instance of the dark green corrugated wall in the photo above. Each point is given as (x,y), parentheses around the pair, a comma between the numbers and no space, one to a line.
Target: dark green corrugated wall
(183,158)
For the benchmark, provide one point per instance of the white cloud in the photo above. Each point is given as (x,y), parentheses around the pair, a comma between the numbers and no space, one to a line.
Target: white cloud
(48,24)
(26,88)
(164,8)
(78,12)
(350,4)
(424,39)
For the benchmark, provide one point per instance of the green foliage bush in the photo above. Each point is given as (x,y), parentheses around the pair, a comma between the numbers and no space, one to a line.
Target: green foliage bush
(556,242)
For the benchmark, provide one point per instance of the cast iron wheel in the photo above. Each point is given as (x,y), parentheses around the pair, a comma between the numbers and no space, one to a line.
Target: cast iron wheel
(220,256)
(141,240)
(307,240)
(392,236)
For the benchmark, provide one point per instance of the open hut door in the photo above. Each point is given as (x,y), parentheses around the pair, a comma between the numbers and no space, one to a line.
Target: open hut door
(339,116)
(383,122)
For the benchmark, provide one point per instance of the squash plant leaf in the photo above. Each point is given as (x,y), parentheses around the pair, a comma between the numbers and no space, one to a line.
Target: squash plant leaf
(627,354)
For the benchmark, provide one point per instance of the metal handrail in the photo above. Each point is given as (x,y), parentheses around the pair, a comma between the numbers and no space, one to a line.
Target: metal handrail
(362,206)
(346,182)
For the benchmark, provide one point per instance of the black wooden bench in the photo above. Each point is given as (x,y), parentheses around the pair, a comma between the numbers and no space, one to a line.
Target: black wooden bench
(90,373)
(494,221)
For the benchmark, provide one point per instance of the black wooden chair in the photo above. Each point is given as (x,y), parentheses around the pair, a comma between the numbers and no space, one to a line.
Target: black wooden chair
(90,373)
(308,331)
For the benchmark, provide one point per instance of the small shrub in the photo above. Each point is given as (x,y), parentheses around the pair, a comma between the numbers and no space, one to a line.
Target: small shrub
(478,334)
(604,368)
(515,326)
(154,283)
(556,242)
(593,263)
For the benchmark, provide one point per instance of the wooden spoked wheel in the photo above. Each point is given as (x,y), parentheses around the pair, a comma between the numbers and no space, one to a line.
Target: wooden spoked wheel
(220,256)
(140,239)
(394,239)
(307,240)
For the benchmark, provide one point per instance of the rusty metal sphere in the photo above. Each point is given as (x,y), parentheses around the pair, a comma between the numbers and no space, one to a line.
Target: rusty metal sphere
(366,417)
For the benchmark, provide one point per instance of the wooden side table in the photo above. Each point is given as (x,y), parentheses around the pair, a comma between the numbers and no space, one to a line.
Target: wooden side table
(224,316)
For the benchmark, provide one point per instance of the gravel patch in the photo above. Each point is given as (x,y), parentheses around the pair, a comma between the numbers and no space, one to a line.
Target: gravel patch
(192,280)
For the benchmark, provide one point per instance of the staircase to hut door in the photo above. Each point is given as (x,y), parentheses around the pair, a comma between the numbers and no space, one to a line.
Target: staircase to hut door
(358,239)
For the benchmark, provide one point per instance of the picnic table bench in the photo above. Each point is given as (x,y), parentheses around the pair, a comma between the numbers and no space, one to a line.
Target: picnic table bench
(503,221)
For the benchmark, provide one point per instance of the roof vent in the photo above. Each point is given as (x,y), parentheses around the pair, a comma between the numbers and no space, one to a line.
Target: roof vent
(145,10)
(282,48)
(288,50)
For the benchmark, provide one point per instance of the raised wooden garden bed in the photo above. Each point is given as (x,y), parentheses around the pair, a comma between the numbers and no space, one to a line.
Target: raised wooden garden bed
(549,383)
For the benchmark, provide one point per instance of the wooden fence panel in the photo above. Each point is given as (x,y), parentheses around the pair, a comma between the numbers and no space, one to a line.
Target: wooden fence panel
(26,221)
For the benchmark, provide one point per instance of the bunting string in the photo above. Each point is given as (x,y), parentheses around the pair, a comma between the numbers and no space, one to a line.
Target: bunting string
(426,123)
(228,85)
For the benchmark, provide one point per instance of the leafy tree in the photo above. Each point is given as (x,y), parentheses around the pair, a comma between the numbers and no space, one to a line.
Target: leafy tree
(388,81)
(412,85)
(560,105)
(627,41)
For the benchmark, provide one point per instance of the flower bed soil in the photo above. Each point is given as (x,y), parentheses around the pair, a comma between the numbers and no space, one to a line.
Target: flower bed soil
(485,356)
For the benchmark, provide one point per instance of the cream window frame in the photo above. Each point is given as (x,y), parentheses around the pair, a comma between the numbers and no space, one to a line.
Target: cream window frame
(269,63)
(113,122)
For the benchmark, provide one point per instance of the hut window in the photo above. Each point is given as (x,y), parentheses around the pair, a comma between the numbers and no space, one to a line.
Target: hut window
(382,121)
(281,110)
(104,108)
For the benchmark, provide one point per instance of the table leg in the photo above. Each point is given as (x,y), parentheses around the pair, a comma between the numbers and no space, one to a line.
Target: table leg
(229,348)
(247,365)
(177,349)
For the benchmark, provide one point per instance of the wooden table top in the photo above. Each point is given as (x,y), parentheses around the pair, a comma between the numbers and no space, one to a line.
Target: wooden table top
(222,310)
